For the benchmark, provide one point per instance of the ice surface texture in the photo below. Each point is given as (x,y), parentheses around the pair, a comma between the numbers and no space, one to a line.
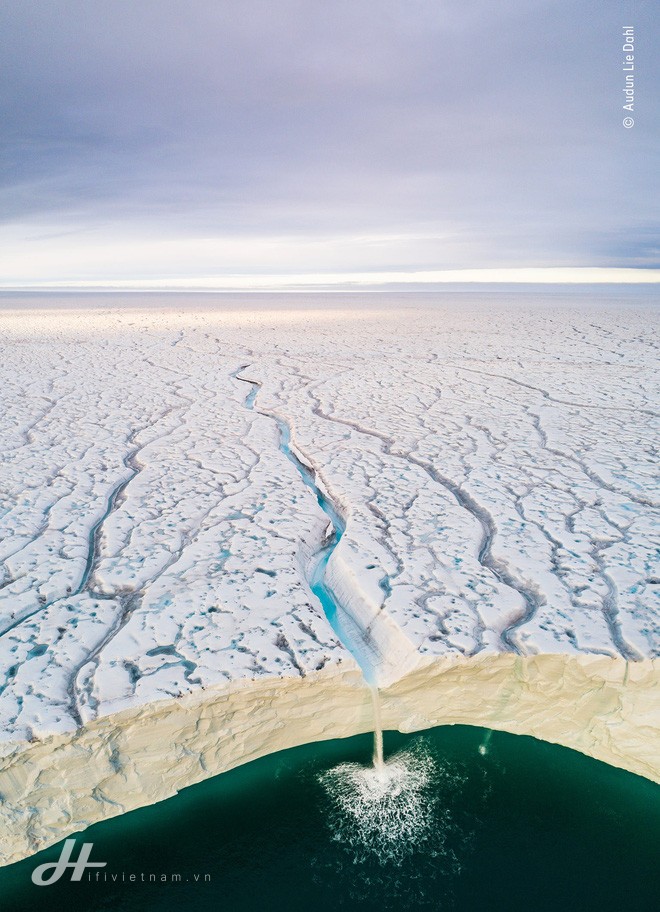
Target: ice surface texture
(490,459)
(493,460)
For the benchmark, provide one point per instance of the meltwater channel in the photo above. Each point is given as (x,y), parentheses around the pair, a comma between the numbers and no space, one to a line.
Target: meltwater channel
(338,618)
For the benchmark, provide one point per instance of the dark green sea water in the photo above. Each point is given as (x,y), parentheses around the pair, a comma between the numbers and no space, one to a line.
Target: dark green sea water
(526,825)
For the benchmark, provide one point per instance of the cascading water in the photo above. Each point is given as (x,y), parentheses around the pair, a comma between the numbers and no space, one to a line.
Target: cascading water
(483,747)
(378,730)
(385,809)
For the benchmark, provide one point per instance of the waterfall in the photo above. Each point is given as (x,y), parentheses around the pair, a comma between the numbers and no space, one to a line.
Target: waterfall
(483,747)
(378,730)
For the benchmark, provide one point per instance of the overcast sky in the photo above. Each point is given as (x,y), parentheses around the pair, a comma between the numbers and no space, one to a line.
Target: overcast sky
(152,140)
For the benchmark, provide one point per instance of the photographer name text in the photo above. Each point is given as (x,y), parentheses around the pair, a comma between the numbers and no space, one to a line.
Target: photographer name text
(628,48)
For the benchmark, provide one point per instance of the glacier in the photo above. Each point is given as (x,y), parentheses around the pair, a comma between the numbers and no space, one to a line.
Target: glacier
(491,458)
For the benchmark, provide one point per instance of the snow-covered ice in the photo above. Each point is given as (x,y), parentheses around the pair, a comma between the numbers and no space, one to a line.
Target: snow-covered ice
(493,458)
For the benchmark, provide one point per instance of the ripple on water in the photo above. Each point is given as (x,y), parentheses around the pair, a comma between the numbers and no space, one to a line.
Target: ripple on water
(389,813)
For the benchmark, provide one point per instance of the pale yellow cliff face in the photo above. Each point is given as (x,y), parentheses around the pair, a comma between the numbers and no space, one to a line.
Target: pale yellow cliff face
(602,707)
(605,708)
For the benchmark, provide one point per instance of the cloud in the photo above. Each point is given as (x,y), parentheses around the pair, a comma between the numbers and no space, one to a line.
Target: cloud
(496,130)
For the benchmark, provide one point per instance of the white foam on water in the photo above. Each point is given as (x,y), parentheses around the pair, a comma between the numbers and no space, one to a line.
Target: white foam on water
(485,744)
(386,810)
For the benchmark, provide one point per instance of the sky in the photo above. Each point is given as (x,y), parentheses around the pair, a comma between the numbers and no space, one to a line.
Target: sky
(257,143)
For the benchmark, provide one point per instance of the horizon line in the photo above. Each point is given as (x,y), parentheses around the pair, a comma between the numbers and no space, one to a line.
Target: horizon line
(533,275)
